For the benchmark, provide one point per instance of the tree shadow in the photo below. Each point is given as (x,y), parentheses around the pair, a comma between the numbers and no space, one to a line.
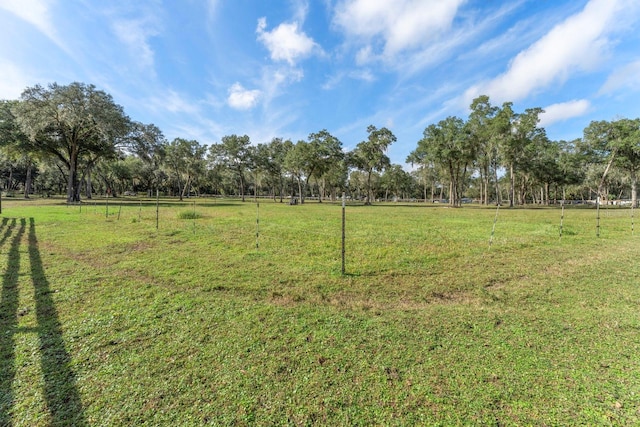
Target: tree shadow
(60,391)
(9,317)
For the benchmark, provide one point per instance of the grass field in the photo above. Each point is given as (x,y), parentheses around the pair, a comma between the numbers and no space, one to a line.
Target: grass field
(217,318)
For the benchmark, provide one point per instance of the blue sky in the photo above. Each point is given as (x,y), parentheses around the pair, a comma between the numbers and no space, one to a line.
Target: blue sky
(203,69)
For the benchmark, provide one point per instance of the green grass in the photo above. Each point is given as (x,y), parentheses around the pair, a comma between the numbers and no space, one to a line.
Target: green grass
(242,317)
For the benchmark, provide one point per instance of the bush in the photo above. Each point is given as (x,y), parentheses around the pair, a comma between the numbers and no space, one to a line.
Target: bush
(189,215)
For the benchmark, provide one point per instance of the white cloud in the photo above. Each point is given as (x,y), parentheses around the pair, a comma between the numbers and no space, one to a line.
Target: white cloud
(563,111)
(625,77)
(241,98)
(38,14)
(577,44)
(134,33)
(300,10)
(408,24)
(287,42)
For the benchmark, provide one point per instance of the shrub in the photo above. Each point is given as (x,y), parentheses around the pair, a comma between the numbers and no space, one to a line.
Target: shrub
(189,215)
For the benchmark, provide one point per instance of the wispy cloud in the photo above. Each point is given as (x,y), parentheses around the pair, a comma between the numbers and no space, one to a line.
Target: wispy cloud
(563,111)
(241,98)
(275,78)
(135,34)
(577,44)
(287,42)
(626,77)
(172,101)
(212,8)
(38,14)
(300,10)
(362,74)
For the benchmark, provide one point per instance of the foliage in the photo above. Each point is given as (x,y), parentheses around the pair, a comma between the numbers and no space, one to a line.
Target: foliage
(448,143)
(318,156)
(235,153)
(370,156)
(78,134)
(77,124)
(189,215)
(617,141)
(150,146)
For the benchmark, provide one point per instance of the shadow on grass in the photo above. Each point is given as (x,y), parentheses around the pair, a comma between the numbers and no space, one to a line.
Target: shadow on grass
(9,318)
(60,392)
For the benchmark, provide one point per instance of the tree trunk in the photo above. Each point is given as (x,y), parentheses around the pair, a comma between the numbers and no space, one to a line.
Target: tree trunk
(498,194)
(425,191)
(452,192)
(321,190)
(512,188)
(281,187)
(368,201)
(180,187)
(300,190)
(241,185)
(27,181)
(72,179)
(88,185)
(546,193)
(634,189)
(185,190)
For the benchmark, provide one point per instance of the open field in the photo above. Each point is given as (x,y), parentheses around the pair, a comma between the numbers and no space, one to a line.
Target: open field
(106,320)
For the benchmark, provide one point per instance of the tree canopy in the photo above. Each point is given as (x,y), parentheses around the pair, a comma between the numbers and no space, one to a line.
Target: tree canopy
(64,138)
(76,124)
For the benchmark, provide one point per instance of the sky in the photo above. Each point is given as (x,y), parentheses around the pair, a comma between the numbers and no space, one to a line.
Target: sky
(204,69)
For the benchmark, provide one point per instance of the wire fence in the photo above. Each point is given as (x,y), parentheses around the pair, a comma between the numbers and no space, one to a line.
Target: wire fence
(356,238)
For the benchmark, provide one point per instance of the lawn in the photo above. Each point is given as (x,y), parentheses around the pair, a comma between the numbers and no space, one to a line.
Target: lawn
(226,313)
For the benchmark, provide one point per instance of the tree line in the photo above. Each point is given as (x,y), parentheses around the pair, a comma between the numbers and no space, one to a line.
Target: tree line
(75,139)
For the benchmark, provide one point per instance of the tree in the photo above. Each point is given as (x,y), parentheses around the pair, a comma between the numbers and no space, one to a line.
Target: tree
(270,158)
(481,123)
(16,143)
(299,162)
(370,155)
(234,153)
(336,178)
(515,133)
(75,124)
(186,160)
(570,165)
(150,146)
(313,159)
(448,143)
(396,181)
(115,175)
(543,167)
(358,184)
(327,152)
(619,143)
(626,142)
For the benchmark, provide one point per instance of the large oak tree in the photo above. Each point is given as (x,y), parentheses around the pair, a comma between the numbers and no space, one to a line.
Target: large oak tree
(76,124)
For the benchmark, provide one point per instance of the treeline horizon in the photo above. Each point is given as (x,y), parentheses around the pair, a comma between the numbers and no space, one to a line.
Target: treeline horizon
(76,139)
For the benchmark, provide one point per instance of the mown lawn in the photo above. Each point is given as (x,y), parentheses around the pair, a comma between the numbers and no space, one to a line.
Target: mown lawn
(239,315)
